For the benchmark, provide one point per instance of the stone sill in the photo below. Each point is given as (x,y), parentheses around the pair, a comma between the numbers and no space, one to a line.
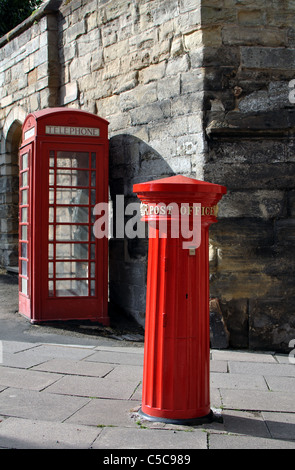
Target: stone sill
(48,7)
(268,124)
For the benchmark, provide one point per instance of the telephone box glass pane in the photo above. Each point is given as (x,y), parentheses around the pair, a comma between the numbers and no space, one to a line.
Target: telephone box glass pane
(70,196)
(51,158)
(72,251)
(72,177)
(24,232)
(50,270)
(24,270)
(71,288)
(51,233)
(72,233)
(24,286)
(51,196)
(24,196)
(51,177)
(92,270)
(24,250)
(92,288)
(25,161)
(51,215)
(24,214)
(50,251)
(67,269)
(92,251)
(51,288)
(72,215)
(24,179)
(73,159)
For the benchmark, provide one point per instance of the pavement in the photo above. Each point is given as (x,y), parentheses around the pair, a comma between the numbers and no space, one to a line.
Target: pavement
(81,389)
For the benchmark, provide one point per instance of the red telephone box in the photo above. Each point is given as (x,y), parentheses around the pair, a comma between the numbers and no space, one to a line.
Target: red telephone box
(63,268)
(176,355)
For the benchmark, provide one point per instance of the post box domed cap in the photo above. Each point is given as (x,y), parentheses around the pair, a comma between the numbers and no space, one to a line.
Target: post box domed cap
(177,184)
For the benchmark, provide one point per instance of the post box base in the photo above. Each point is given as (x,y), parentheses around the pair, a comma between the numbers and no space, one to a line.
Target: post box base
(209,418)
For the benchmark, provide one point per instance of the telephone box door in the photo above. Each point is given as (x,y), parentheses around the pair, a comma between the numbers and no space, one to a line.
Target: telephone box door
(73,277)
(25,215)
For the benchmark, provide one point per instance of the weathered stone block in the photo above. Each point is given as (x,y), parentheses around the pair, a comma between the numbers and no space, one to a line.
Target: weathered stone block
(267,57)
(168,88)
(192,81)
(262,204)
(75,31)
(251,17)
(69,93)
(236,317)
(150,113)
(285,232)
(259,176)
(254,36)
(212,15)
(188,5)
(219,335)
(152,73)
(271,323)
(177,65)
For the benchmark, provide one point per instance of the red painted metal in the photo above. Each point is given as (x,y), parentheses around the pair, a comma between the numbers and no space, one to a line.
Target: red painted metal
(63,268)
(177,341)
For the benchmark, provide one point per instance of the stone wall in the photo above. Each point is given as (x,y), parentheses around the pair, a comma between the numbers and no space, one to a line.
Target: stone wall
(29,80)
(249,59)
(192,87)
(135,64)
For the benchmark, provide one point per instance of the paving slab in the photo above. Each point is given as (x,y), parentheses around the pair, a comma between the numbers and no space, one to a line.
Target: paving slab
(103,412)
(16,433)
(282,358)
(218,366)
(94,387)
(215,398)
(238,381)
(59,351)
(257,400)
(27,379)
(39,405)
(17,346)
(226,441)
(129,438)
(243,356)
(283,384)
(251,368)
(280,425)
(122,349)
(245,422)
(72,367)
(126,372)
(114,357)
(24,360)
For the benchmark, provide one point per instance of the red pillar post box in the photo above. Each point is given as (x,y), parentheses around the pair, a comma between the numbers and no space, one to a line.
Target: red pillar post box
(177,341)
(63,174)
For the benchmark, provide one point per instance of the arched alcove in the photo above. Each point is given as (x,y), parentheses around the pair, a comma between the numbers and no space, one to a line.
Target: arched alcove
(9,188)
